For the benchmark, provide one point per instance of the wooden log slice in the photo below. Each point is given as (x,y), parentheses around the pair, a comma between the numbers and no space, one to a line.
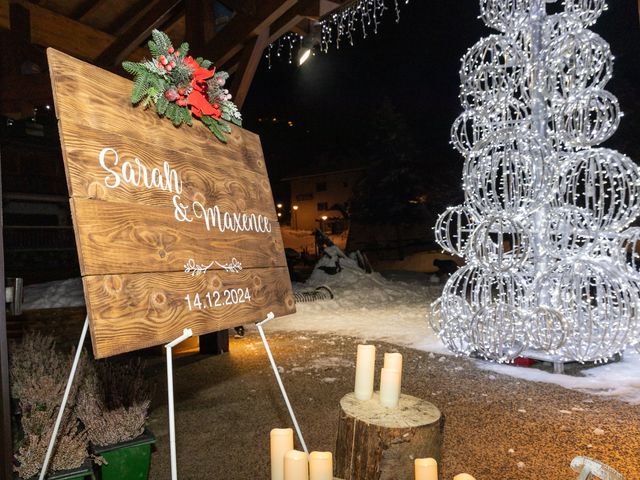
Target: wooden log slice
(379,443)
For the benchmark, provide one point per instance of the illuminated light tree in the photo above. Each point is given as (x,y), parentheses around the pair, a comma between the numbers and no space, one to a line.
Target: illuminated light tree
(551,265)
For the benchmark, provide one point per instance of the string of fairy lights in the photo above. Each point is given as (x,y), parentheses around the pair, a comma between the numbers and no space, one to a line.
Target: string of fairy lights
(358,18)
(551,265)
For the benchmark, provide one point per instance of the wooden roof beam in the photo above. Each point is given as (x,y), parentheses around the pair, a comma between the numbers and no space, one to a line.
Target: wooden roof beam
(246,7)
(83,8)
(200,23)
(305,9)
(247,66)
(129,40)
(233,37)
(50,29)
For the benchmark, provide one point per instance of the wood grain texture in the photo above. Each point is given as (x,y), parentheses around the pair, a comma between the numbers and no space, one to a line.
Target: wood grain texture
(378,443)
(91,97)
(141,310)
(221,180)
(115,238)
(132,246)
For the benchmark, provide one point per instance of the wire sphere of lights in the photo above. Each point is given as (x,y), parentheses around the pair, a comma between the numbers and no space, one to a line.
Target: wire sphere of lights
(546,329)
(454,228)
(500,243)
(452,327)
(503,14)
(549,266)
(588,118)
(569,232)
(503,318)
(511,174)
(598,304)
(605,183)
(493,68)
(576,61)
(469,301)
(474,129)
(588,11)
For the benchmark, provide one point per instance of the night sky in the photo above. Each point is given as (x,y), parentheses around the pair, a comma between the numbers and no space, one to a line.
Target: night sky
(332,98)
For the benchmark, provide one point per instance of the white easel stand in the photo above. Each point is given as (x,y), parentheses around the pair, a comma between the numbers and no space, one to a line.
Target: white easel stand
(65,399)
(271,316)
(172,420)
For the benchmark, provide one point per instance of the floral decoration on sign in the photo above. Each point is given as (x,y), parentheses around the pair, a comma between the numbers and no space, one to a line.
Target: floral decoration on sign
(181,87)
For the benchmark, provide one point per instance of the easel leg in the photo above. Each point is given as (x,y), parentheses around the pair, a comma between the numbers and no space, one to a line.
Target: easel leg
(172,420)
(280,384)
(65,399)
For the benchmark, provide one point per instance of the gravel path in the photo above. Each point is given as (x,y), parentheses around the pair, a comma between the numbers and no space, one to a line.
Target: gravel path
(497,427)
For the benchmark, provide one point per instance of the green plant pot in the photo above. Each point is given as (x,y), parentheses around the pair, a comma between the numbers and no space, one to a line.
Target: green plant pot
(80,473)
(126,460)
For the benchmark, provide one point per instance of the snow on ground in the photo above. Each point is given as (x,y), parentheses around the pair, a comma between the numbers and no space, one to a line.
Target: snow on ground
(58,294)
(366,306)
(619,379)
(374,308)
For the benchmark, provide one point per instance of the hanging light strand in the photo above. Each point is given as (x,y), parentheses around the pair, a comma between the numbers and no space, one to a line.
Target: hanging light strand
(361,16)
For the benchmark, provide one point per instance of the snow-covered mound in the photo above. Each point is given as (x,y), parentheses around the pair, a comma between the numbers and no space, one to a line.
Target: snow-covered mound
(57,294)
(366,305)
(354,284)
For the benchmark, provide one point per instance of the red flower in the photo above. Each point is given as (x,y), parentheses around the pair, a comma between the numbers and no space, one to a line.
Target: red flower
(197,99)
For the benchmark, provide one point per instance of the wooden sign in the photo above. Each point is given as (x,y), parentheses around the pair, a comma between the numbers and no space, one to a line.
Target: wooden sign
(174,229)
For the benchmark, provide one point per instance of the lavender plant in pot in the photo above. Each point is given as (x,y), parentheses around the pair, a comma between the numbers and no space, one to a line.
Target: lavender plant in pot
(38,373)
(113,404)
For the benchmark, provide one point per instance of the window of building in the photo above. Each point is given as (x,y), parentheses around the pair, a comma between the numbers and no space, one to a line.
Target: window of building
(321,187)
(323,206)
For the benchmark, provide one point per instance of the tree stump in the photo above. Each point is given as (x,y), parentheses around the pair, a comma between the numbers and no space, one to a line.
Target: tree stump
(379,443)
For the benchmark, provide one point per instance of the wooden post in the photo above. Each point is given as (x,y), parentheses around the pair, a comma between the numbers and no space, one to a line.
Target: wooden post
(6,446)
(378,443)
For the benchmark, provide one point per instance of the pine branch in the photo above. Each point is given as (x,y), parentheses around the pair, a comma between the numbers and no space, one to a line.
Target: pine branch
(212,124)
(161,105)
(133,68)
(153,48)
(184,49)
(140,86)
(162,41)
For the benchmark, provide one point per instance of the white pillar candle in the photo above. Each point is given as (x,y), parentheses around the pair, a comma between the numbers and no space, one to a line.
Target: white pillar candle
(426,469)
(320,466)
(365,371)
(389,388)
(281,443)
(296,465)
(393,361)
(463,476)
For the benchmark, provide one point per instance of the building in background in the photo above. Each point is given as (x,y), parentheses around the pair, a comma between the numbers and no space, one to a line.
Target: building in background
(322,200)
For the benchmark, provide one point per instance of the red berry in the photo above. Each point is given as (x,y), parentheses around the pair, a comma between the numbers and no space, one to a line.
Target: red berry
(215,105)
(181,91)
(170,50)
(177,53)
(170,95)
(172,63)
(181,102)
(163,59)
(168,68)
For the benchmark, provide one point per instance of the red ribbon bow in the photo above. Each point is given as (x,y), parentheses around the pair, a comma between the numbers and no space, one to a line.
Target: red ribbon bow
(197,99)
